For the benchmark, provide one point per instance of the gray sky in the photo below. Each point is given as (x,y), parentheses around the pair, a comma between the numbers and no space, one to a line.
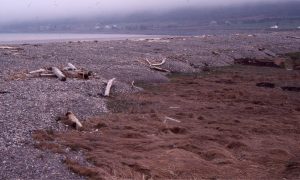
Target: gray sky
(12,11)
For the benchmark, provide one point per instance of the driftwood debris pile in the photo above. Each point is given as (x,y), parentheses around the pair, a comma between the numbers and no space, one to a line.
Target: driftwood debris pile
(70,71)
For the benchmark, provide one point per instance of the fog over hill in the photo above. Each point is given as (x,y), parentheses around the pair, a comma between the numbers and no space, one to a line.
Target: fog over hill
(178,20)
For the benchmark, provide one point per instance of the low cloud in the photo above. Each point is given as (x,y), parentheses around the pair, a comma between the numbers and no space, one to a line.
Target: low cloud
(17,11)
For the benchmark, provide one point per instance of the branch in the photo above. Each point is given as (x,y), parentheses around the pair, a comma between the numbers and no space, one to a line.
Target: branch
(47,75)
(159,69)
(108,87)
(171,119)
(154,66)
(37,71)
(150,64)
(159,64)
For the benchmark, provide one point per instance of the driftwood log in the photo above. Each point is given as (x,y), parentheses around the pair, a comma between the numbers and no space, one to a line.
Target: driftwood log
(59,74)
(171,119)
(72,67)
(15,49)
(154,65)
(47,75)
(159,64)
(108,87)
(71,117)
(6,47)
(37,71)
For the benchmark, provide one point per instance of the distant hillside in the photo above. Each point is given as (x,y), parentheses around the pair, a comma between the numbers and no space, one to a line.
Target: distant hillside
(180,21)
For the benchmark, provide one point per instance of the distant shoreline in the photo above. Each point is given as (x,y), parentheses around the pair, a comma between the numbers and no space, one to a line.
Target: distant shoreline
(32,38)
(42,38)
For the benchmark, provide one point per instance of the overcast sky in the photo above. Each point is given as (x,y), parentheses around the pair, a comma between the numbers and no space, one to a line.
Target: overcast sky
(12,11)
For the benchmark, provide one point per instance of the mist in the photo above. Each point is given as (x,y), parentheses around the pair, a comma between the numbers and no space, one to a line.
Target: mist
(21,11)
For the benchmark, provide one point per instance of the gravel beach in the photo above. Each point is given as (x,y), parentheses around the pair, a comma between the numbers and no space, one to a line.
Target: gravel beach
(34,103)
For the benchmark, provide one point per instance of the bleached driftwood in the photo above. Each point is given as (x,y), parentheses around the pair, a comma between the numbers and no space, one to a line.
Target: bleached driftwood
(174,107)
(133,86)
(150,64)
(73,119)
(47,75)
(72,66)
(37,71)
(159,40)
(171,119)
(161,63)
(108,87)
(6,47)
(11,48)
(154,65)
(59,74)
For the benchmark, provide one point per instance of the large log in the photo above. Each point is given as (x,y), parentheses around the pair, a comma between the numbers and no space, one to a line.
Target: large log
(59,74)
(73,119)
(108,87)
